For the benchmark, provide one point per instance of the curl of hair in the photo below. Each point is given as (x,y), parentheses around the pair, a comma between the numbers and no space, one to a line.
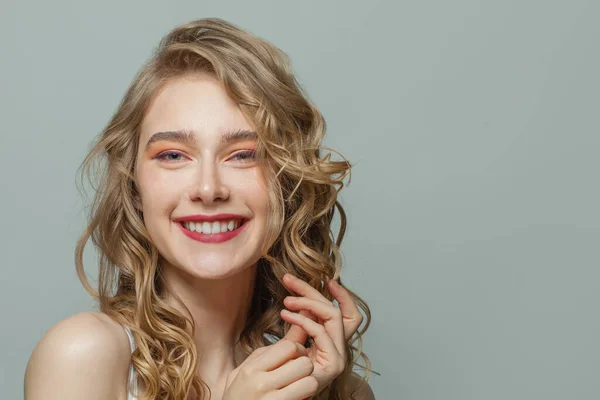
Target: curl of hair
(303,191)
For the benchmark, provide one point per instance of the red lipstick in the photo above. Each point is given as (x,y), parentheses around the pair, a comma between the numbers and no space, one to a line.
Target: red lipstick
(211,237)
(209,218)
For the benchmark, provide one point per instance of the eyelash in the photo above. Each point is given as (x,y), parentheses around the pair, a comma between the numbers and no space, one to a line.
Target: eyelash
(248,155)
(164,154)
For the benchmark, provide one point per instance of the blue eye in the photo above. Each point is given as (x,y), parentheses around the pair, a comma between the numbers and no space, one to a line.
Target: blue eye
(166,156)
(246,155)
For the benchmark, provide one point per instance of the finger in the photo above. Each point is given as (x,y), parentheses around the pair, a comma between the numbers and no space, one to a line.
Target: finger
(258,351)
(351,316)
(276,355)
(301,389)
(303,288)
(296,333)
(290,372)
(317,331)
(330,316)
(255,353)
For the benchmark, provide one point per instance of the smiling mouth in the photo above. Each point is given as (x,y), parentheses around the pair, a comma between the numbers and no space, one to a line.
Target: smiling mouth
(214,227)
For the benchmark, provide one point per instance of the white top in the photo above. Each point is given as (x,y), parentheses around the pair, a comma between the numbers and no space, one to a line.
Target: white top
(132,391)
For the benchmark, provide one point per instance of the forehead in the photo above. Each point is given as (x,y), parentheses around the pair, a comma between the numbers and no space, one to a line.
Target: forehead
(196,103)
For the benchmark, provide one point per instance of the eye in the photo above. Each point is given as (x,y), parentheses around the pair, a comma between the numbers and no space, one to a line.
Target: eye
(244,156)
(170,156)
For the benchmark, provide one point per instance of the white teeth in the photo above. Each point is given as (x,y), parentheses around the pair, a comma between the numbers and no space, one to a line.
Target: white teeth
(212,227)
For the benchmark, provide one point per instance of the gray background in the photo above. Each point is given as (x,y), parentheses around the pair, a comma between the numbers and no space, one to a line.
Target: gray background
(473,206)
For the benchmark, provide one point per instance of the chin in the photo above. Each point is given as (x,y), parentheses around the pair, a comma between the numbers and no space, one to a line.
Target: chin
(214,269)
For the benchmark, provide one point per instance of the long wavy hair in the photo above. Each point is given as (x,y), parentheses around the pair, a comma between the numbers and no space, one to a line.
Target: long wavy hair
(303,198)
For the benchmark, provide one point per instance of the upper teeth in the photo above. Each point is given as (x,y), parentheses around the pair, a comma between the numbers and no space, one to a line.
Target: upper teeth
(212,227)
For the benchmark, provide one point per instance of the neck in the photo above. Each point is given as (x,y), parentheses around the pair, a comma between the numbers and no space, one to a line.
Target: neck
(219,308)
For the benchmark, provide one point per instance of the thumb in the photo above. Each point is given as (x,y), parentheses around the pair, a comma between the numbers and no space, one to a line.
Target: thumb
(296,333)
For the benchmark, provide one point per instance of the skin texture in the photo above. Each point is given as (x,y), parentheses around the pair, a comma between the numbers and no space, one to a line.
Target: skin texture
(88,354)
(329,325)
(215,280)
(205,178)
(85,356)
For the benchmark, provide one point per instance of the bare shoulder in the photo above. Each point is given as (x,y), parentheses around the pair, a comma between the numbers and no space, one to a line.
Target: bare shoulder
(365,392)
(83,356)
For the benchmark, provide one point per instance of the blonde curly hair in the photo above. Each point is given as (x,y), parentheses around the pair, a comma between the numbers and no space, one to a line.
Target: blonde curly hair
(303,190)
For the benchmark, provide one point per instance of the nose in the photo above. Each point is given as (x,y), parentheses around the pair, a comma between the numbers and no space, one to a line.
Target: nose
(209,188)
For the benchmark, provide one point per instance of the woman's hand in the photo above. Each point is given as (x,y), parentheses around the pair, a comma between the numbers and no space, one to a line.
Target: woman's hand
(329,326)
(280,371)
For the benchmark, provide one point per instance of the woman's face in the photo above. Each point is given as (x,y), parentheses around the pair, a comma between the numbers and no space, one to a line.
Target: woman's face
(196,161)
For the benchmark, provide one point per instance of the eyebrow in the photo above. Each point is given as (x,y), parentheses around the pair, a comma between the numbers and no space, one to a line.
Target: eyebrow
(187,136)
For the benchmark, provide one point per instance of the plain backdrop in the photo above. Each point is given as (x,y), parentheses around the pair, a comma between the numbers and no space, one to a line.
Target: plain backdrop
(473,125)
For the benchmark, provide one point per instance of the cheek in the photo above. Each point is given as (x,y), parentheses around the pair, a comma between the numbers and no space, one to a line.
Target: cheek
(255,191)
(158,191)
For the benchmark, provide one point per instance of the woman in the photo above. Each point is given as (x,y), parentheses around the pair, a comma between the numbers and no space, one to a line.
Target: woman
(218,269)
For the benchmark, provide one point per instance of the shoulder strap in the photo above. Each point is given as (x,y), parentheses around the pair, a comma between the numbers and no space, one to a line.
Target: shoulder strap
(132,382)
(130,337)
